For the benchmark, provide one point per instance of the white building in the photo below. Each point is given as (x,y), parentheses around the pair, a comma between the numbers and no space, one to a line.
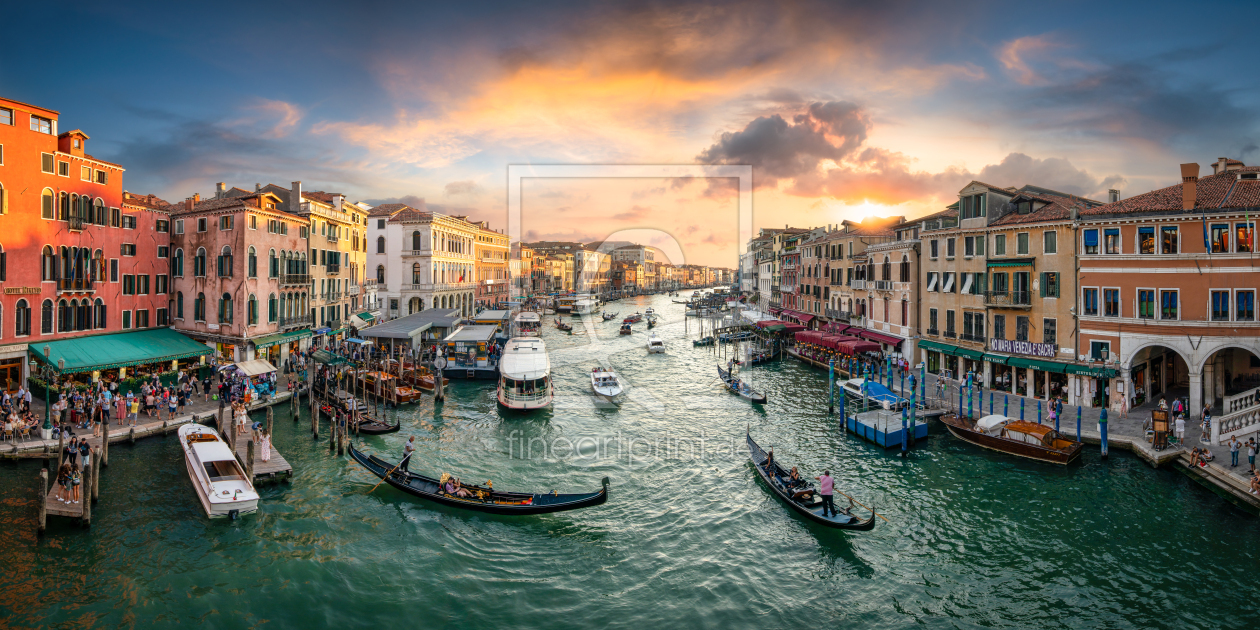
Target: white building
(421,259)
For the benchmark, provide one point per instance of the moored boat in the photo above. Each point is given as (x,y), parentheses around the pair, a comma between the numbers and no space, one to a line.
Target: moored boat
(527,324)
(802,496)
(388,387)
(480,498)
(217,477)
(703,341)
(1016,437)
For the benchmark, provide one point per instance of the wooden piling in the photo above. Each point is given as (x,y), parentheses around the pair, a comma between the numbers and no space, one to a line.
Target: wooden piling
(332,435)
(249,460)
(42,500)
(133,435)
(96,476)
(270,417)
(61,448)
(314,418)
(105,446)
(86,493)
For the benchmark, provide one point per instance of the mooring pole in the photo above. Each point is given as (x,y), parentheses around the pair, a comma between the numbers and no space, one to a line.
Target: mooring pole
(1078,423)
(1102,429)
(904,437)
(831,385)
(42,501)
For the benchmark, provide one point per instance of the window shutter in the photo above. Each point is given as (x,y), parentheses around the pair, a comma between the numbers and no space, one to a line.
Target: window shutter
(4,199)
(1043,284)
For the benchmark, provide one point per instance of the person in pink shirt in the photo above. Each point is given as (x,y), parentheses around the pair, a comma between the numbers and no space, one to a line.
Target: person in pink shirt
(826,487)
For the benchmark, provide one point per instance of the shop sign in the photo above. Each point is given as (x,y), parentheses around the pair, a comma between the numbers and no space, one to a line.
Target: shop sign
(23,290)
(1026,348)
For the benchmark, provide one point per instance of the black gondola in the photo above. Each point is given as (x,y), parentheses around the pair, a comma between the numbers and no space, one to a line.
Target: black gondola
(368,426)
(743,390)
(484,499)
(804,498)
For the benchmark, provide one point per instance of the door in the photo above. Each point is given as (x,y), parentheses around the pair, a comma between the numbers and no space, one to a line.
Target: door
(1020,292)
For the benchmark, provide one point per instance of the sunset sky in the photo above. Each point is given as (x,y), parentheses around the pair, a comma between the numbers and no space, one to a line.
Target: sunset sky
(844,110)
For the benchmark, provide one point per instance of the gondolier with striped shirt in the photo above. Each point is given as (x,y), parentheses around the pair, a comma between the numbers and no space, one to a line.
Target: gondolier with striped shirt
(826,486)
(408,449)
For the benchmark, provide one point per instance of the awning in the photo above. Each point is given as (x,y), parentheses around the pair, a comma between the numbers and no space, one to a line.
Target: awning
(255,367)
(322,330)
(1090,370)
(366,318)
(286,337)
(357,340)
(124,349)
(968,353)
(1018,262)
(880,337)
(333,333)
(1036,364)
(1000,359)
(951,350)
(324,356)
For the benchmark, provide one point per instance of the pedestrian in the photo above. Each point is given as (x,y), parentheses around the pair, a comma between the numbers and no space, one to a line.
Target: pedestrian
(171,404)
(408,449)
(1206,425)
(135,410)
(85,451)
(1181,429)
(205,387)
(1251,454)
(826,486)
(71,451)
(76,479)
(1234,445)
(63,482)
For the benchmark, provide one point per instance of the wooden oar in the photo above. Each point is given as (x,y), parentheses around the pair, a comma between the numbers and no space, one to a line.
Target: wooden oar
(872,511)
(391,471)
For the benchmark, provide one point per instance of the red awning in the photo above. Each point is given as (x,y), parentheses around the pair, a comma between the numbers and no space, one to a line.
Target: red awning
(880,337)
(856,346)
(793,327)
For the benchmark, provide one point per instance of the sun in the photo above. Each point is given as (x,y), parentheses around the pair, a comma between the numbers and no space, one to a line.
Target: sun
(866,210)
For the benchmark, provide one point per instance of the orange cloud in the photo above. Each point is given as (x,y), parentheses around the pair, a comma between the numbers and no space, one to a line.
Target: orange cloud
(1015,54)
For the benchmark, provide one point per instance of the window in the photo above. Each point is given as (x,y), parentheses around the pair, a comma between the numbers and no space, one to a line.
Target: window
(163,226)
(949,324)
(1220,238)
(47,162)
(969,246)
(934,245)
(113,270)
(999,327)
(179,305)
(949,248)
(22,319)
(1089,301)
(163,318)
(932,278)
(1090,238)
(1021,244)
(179,226)
(199,307)
(1111,240)
(177,264)
(1146,304)
(968,284)
(1220,306)
(973,326)
(948,284)
(932,322)
(129,285)
(380,244)
(162,283)
(224,262)
(1098,348)
(201,225)
(46,318)
(126,320)
(1050,284)
(142,284)
(253,222)
(999,244)
(115,217)
(1049,331)
(1146,240)
(85,173)
(225,309)
(42,125)
(225,223)
(1245,305)
(6,116)
(1111,302)
(1243,234)
(49,207)
(129,222)
(980,245)
(163,251)
(1050,242)
(380,274)
(63,169)
(1168,305)
(905,268)
(128,249)
(199,263)
(102,177)
(1168,240)
(252,310)
(1021,328)
(142,318)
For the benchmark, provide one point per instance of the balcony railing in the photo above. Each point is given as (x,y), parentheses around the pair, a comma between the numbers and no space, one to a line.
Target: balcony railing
(935,332)
(414,252)
(369,285)
(331,238)
(836,314)
(950,334)
(859,284)
(331,296)
(66,285)
(883,285)
(447,286)
(75,223)
(295,321)
(333,269)
(972,337)
(294,279)
(1017,299)
(352,290)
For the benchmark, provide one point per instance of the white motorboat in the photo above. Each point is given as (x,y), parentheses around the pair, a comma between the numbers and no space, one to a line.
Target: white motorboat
(655,345)
(527,323)
(649,311)
(525,374)
(586,306)
(219,480)
(606,385)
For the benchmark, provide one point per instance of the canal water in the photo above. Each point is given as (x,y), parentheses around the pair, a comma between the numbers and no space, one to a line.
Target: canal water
(689,537)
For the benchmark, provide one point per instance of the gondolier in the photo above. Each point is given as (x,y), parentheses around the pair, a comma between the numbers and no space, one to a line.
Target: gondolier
(408,449)
(826,486)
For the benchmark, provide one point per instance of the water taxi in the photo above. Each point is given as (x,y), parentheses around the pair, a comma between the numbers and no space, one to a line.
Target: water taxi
(221,485)
(655,345)
(606,385)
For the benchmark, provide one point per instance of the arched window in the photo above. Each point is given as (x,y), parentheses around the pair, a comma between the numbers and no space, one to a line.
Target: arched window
(252,310)
(905,268)
(271,308)
(225,262)
(47,264)
(380,244)
(225,309)
(284,306)
(101,217)
(22,319)
(98,266)
(63,316)
(273,265)
(100,313)
(46,318)
(179,305)
(380,274)
(199,263)
(415,273)
(199,307)
(253,262)
(887,269)
(415,240)
(49,204)
(177,264)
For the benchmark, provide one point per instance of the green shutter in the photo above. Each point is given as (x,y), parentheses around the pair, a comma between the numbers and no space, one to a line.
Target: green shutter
(983,280)
(1043,284)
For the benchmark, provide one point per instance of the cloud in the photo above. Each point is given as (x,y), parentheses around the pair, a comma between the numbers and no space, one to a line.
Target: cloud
(1015,57)
(1017,169)
(464,187)
(649,192)
(778,149)
(635,213)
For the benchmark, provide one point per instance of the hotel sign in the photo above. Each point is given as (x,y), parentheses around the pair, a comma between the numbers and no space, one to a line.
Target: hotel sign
(23,290)
(1028,348)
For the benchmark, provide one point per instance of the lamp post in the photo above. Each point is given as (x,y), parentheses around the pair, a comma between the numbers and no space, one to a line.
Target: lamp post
(45,431)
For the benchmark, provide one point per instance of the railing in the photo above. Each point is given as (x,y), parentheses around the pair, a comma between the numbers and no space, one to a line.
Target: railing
(1236,424)
(75,223)
(883,285)
(859,284)
(331,238)
(787,288)
(295,321)
(512,394)
(352,290)
(74,284)
(1243,401)
(330,296)
(293,279)
(837,314)
(971,337)
(333,269)
(934,332)
(450,286)
(949,334)
(414,252)
(369,285)
(1008,298)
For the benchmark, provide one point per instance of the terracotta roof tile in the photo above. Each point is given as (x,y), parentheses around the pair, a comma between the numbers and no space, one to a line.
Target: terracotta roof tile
(320,196)
(407,213)
(386,209)
(1055,209)
(145,201)
(1222,190)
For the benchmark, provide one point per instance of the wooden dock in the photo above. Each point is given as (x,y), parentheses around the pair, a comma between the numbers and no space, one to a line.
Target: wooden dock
(273,470)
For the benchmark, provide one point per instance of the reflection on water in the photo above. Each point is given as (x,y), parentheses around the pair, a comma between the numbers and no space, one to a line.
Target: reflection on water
(689,537)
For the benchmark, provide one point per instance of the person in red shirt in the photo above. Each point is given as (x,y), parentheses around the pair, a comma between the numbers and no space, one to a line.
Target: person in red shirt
(826,487)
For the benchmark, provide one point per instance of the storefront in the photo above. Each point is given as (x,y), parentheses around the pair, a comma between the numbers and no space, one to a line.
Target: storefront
(277,347)
(1139,393)
(13,366)
(128,358)
(956,359)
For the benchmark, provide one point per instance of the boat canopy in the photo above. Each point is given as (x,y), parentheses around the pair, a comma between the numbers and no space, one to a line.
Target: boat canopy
(525,359)
(1029,432)
(992,424)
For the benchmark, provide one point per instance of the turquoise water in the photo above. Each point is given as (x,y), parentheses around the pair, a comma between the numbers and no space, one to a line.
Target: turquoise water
(975,539)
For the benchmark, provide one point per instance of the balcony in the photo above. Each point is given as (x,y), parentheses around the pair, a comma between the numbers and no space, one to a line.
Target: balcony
(883,285)
(294,279)
(859,284)
(330,296)
(295,321)
(369,285)
(1008,299)
(972,337)
(352,290)
(934,332)
(75,285)
(75,223)
(949,334)
(836,314)
(333,269)
(331,238)
(415,252)
(452,286)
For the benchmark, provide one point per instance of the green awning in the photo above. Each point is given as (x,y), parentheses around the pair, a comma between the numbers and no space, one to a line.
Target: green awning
(367,318)
(285,337)
(1000,359)
(336,332)
(974,355)
(1090,370)
(123,349)
(324,356)
(928,344)
(1037,364)
(1018,262)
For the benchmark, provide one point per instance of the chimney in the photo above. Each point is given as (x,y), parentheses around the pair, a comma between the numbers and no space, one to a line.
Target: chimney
(219,189)
(257,187)
(188,204)
(196,198)
(339,201)
(295,198)
(1189,185)
(1113,195)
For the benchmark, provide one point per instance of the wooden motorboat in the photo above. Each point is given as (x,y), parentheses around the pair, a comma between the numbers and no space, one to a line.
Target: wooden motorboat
(633,319)
(484,498)
(217,477)
(423,378)
(625,328)
(1016,437)
(756,358)
(371,426)
(606,384)
(803,497)
(703,341)
(385,386)
(740,388)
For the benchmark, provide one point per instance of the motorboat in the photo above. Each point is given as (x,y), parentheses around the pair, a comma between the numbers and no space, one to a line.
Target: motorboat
(655,345)
(858,388)
(606,385)
(625,328)
(703,341)
(388,387)
(525,374)
(217,477)
(527,324)
(422,377)
(635,318)
(586,306)
(1016,437)
(649,312)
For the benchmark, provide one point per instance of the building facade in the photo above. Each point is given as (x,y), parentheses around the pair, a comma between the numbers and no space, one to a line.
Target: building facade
(428,259)
(492,266)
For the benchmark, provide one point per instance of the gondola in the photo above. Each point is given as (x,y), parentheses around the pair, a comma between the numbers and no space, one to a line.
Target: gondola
(743,390)
(804,498)
(369,426)
(609,316)
(563,326)
(703,341)
(485,498)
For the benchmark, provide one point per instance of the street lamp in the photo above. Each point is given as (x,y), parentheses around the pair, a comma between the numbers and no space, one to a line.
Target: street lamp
(46,429)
